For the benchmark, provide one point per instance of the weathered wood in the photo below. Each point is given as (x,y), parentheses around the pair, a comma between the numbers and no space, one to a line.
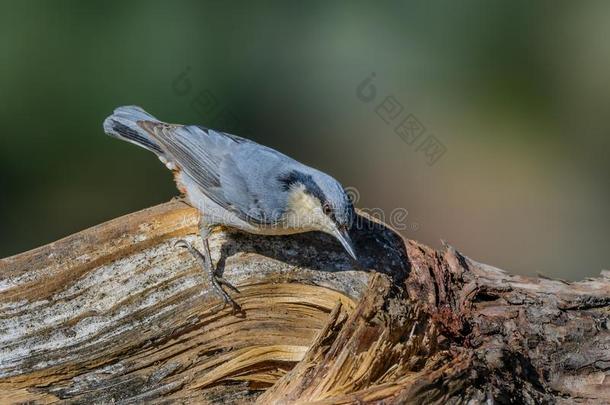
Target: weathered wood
(116,313)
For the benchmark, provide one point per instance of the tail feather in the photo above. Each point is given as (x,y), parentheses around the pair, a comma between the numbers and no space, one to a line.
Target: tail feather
(123,124)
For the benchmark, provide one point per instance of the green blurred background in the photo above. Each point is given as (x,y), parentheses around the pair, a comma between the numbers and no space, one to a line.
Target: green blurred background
(517,92)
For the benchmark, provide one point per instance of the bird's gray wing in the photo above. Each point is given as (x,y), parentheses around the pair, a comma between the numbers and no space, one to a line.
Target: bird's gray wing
(236,173)
(251,179)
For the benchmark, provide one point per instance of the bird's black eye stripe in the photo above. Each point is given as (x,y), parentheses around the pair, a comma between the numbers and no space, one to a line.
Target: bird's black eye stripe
(329,211)
(327,208)
(297,177)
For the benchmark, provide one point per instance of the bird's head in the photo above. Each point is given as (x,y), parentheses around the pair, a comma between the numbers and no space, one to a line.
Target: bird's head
(318,202)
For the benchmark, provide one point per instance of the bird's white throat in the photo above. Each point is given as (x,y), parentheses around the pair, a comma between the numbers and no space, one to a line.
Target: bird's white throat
(305,212)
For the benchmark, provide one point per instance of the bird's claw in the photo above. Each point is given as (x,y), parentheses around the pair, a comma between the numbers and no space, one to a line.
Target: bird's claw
(235,307)
(228,284)
(181,243)
(215,279)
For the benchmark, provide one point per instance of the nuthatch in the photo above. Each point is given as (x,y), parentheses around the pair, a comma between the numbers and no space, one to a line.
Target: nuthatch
(238,183)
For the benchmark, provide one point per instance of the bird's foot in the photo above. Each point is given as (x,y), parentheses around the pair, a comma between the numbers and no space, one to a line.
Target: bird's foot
(216,280)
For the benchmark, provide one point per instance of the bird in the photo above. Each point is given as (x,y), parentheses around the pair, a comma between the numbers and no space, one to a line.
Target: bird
(237,183)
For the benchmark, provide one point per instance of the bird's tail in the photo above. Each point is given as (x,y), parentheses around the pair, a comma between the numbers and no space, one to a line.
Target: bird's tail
(124,123)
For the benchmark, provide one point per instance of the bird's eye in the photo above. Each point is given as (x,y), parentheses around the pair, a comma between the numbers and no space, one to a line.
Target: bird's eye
(327,208)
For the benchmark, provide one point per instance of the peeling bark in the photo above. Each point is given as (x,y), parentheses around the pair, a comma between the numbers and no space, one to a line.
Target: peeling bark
(117,314)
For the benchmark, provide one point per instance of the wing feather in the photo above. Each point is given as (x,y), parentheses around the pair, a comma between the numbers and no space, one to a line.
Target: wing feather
(238,174)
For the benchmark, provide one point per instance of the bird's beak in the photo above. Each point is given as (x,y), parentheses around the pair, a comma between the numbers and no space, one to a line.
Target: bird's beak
(345,240)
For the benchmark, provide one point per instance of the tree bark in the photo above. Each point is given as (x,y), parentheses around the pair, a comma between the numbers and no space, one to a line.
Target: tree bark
(116,313)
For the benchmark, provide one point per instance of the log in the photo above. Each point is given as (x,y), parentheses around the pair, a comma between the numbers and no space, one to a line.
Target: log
(118,314)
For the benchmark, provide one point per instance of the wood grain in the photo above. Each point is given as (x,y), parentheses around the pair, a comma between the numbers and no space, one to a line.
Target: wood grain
(117,314)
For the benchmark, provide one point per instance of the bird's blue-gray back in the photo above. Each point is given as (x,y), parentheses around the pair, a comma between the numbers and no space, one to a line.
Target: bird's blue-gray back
(230,170)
